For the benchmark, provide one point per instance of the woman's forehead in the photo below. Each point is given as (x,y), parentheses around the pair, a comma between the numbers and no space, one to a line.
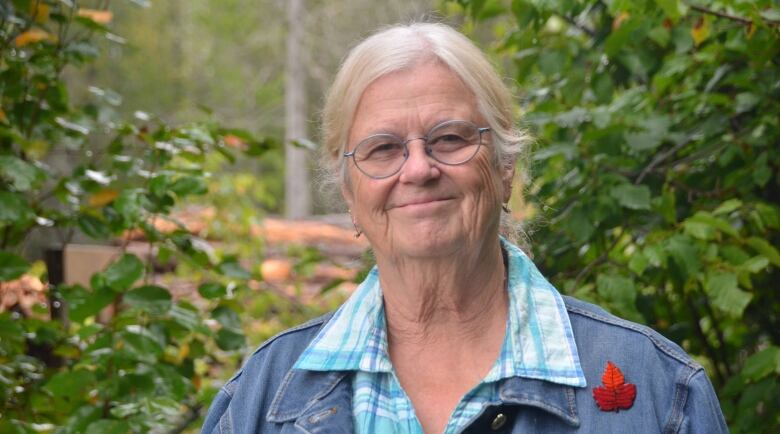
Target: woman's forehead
(415,98)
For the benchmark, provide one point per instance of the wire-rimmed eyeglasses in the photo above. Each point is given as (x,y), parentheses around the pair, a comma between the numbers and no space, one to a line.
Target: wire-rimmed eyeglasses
(451,142)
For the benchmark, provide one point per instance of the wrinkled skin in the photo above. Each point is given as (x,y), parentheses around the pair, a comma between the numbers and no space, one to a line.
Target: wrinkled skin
(428,209)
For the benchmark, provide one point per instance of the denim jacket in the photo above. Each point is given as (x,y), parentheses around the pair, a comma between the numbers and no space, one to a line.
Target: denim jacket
(673,393)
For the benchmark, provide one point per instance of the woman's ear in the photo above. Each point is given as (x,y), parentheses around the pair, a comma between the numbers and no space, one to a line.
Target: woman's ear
(507,176)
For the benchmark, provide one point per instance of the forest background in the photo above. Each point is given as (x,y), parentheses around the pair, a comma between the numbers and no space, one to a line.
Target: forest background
(652,189)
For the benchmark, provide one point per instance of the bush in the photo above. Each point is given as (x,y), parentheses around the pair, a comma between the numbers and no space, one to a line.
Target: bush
(657,189)
(66,169)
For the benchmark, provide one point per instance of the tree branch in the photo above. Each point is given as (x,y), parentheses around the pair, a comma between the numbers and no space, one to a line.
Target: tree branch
(582,27)
(741,20)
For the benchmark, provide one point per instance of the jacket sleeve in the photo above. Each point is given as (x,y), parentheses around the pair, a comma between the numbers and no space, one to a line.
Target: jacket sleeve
(217,409)
(703,414)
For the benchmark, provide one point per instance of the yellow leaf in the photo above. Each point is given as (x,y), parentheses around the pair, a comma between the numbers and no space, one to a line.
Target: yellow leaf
(3,118)
(700,30)
(619,20)
(33,35)
(234,141)
(99,16)
(184,351)
(39,12)
(102,198)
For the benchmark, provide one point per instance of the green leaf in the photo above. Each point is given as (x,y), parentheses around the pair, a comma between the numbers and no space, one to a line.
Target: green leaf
(632,196)
(12,266)
(189,185)
(755,264)
(638,262)
(69,384)
(716,223)
(93,226)
(762,363)
(186,316)
(231,268)
(83,304)
(728,206)
(673,9)
(763,247)
(619,291)
(212,290)
(226,316)
(643,141)
(128,205)
(22,175)
(151,298)
(14,209)
(723,290)
(699,230)
(684,254)
(124,272)
(108,426)
(80,419)
(141,344)
(229,339)
(746,101)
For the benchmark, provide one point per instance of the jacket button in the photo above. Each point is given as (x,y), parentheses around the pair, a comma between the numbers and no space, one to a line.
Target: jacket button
(498,422)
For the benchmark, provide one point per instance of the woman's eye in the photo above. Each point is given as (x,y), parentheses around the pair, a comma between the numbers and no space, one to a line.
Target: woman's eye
(447,141)
(383,150)
(452,138)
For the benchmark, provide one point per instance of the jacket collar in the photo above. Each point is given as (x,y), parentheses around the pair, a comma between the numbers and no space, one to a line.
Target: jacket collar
(556,399)
(323,400)
(539,342)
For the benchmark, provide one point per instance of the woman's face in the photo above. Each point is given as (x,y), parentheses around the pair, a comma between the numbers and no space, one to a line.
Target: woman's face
(428,208)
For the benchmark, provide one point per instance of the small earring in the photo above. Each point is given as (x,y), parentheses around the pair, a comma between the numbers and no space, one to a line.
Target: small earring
(505,208)
(358,232)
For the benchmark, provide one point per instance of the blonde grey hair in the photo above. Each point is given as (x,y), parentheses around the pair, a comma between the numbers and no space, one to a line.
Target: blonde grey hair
(401,47)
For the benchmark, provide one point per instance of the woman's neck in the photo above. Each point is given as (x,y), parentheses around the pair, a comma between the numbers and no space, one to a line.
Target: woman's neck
(441,299)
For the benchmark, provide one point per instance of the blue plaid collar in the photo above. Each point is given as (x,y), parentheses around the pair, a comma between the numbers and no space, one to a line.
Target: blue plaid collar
(539,343)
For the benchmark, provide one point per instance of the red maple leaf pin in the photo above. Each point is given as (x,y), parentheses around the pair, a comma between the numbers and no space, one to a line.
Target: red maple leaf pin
(616,394)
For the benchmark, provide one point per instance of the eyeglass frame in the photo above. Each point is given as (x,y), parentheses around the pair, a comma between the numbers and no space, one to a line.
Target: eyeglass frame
(428,149)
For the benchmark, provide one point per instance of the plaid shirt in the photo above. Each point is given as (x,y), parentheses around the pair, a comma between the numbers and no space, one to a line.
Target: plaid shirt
(538,344)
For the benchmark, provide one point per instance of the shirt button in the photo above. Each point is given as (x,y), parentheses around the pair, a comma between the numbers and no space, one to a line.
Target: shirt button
(498,422)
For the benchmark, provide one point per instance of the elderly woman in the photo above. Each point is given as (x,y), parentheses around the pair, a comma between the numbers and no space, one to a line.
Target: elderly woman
(454,330)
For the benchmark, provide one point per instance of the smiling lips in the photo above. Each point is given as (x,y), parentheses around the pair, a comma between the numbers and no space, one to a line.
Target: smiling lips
(422,202)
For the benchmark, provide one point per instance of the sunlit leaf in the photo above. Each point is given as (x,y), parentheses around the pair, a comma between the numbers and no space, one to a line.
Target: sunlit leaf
(32,36)
(102,197)
(100,16)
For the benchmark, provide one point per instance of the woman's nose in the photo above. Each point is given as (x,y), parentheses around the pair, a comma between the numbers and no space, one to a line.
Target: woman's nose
(419,166)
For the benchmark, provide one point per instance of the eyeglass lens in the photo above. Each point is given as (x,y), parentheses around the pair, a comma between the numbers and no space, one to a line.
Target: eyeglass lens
(451,143)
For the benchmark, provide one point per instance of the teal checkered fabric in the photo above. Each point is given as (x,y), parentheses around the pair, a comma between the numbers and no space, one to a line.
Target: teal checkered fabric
(538,344)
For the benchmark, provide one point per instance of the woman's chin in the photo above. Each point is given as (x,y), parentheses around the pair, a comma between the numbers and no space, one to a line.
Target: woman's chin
(427,243)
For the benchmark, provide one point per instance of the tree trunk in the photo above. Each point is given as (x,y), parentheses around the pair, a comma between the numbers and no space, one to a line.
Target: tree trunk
(297,192)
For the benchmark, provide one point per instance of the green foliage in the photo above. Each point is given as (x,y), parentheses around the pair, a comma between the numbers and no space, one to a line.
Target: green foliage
(68,167)
(656,174)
